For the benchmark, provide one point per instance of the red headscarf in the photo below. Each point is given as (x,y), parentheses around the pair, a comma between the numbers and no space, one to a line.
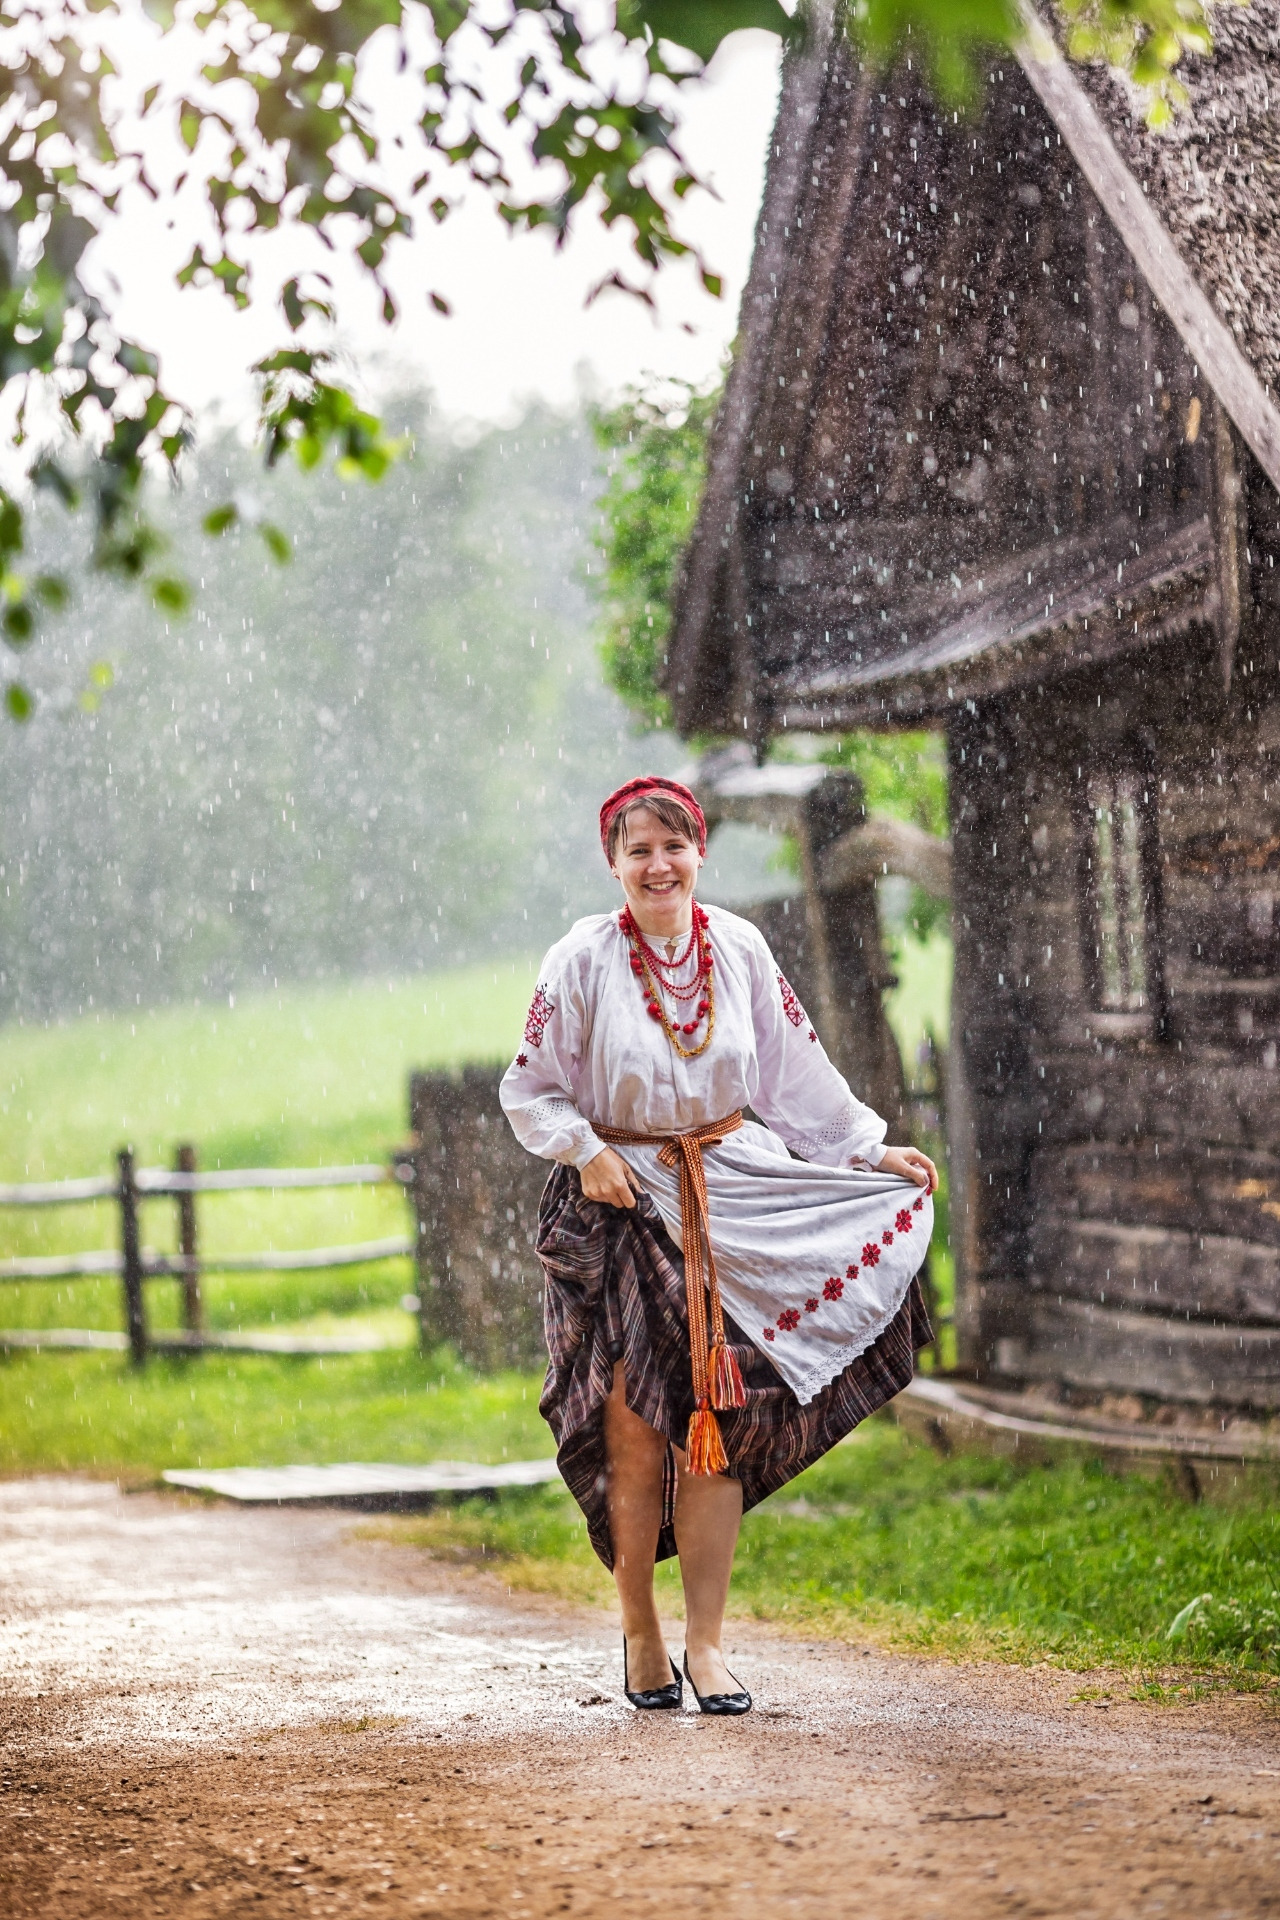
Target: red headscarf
(636,790)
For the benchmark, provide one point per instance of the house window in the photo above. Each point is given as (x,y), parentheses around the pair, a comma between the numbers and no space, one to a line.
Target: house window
(1120,895)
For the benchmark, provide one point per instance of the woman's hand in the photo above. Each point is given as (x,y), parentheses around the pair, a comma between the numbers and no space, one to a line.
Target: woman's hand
(907,1162)
(608,1178)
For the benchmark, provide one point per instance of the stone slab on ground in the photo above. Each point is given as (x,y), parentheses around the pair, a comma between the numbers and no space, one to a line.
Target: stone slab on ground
(360,1482)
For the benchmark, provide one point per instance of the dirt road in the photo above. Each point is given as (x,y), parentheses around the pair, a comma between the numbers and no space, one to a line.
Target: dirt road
(207,1711)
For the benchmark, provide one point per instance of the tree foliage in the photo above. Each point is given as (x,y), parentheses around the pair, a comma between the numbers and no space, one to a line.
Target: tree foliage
(654,442)
(552,113)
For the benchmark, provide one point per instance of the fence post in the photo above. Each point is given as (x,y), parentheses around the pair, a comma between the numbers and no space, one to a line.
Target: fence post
(131,1249)
(188,1243)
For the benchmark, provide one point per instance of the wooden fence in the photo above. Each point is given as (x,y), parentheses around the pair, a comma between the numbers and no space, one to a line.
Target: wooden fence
(136,1264)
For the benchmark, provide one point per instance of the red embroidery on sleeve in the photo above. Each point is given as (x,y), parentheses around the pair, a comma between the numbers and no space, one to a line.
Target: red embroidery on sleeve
(791,1006)
(539,1014)
(522,1059)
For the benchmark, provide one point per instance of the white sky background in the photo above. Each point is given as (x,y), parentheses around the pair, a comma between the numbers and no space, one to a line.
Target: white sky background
(519,329)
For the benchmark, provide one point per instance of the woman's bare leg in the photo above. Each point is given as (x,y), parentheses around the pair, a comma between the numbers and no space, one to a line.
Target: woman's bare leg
(708,1515)
(634,1453)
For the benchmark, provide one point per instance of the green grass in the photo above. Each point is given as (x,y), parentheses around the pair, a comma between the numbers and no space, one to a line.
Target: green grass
(307,1077)
(89,1412)
(969,1556)
(289,1078)
(921,1001)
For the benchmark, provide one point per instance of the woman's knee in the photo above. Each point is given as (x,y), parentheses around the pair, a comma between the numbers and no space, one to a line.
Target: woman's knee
(625,1428)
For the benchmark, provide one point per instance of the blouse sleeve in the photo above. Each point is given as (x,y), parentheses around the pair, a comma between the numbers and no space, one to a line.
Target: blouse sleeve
(537,1088)
(801,1096)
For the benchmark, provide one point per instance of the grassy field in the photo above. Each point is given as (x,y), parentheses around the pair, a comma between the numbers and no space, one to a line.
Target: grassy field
(305,1078)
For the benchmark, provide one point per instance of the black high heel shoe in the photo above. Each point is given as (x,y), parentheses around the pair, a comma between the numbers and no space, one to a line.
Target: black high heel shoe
(672,1695)
(728,1703)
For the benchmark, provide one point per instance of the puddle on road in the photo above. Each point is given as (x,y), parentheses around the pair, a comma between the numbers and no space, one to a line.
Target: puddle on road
(138,1616)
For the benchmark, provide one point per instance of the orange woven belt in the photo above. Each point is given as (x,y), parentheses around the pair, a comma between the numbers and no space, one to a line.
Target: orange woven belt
(717,1381)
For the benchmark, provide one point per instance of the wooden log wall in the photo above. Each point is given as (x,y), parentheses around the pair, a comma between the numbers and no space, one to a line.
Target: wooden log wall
(1118,1172)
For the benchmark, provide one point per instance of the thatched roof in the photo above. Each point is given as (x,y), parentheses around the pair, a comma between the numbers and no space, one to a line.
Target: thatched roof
(1214,175)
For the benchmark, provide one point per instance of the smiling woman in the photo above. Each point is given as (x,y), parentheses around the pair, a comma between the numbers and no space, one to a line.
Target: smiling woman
(725,1300)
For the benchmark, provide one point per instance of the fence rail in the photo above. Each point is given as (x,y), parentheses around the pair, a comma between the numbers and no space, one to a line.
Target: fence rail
(156,1182)
(134,1264)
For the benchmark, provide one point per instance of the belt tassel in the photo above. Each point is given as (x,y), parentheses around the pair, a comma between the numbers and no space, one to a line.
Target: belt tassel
(717,1378)
(727,1389)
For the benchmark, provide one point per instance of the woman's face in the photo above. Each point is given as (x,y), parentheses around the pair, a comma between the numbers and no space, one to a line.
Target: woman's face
(658,869)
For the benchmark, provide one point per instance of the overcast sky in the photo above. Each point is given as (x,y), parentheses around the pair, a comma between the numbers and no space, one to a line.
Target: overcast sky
(519,327)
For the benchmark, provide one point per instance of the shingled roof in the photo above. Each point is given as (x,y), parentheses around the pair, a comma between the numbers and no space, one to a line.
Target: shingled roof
(887,505)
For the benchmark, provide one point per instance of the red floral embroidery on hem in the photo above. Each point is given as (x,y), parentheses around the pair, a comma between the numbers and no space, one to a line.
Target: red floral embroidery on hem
(833,1289)
(790,1005)
(812,1034)
(539,1014)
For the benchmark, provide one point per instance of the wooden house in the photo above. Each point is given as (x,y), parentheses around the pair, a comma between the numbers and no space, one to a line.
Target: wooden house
(999,455)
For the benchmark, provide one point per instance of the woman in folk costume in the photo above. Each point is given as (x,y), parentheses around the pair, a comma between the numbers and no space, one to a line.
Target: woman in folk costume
(724,1300)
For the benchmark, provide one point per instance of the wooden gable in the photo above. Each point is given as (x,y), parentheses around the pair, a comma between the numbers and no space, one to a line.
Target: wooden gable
(964,441)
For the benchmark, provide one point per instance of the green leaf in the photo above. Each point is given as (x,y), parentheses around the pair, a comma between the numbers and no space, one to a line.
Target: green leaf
(189,126)
(440,304)
(1184,1619)
(171,594)
(53,590)
(277,543)
(701,25)
(952,36)
(101,675)
(18,702)
(219,519)
(19,623)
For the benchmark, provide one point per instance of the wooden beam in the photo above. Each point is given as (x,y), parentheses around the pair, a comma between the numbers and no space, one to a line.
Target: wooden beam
(880,846)
(1231,543)
(1184,1359)
(1205,333)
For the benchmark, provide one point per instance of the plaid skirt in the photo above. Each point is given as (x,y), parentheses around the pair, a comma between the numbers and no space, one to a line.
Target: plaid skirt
(615,1291)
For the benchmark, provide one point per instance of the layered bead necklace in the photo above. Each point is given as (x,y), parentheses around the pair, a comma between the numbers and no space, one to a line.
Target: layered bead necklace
(658,976)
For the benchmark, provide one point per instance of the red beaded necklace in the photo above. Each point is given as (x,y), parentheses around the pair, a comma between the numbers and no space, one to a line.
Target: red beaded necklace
(650,968)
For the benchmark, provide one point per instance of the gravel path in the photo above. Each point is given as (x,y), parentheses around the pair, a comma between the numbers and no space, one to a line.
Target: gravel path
(206,1710)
